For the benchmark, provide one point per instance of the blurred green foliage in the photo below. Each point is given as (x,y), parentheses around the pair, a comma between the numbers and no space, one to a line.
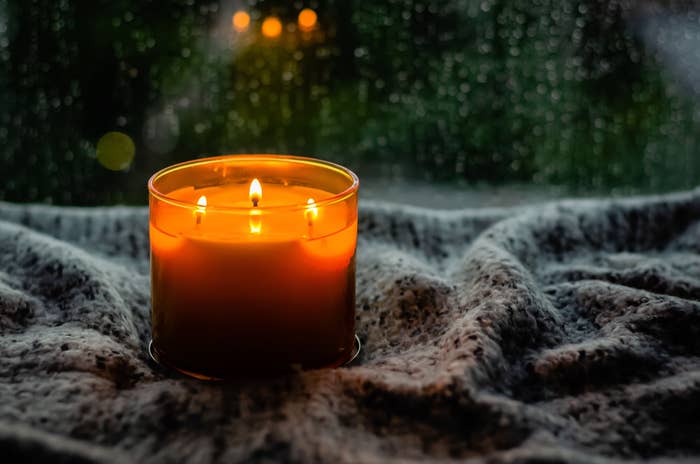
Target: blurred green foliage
(568,93)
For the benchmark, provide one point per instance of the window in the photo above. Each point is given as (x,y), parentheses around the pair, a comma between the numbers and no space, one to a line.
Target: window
(566,97)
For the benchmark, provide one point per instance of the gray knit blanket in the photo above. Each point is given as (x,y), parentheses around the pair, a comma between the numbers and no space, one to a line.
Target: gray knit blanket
(564,332)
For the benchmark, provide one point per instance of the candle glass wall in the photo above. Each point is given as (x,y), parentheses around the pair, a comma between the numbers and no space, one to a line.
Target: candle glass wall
(253,264)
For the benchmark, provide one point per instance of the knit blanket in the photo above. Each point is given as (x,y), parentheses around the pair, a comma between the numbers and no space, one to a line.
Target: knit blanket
(562,332)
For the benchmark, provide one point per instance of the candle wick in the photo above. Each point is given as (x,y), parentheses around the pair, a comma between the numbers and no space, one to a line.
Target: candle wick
(199,219)
(255,202)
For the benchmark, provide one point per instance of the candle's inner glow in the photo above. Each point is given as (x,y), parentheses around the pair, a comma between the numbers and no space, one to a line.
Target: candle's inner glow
(255,192)
(225,211)
(254,222)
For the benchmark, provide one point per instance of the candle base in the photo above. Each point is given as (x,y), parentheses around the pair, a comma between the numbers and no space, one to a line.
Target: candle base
(153,353)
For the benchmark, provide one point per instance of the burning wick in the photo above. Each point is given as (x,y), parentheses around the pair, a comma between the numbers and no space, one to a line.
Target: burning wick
(255,192)
(311,213)
(201,209)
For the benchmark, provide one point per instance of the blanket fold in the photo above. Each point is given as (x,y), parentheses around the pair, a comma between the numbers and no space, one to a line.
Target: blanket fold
(564,332)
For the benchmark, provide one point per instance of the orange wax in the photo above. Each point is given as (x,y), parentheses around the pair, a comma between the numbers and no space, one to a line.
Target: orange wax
(253,281)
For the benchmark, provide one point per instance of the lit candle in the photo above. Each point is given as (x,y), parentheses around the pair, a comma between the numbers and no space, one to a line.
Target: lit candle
(253,283)
(200,209)
(311,214)
(255,194)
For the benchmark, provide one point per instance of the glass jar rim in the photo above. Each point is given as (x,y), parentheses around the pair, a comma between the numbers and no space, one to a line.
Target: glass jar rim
(336,198)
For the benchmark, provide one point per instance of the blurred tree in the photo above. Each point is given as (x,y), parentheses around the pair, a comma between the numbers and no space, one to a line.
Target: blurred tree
(568,92)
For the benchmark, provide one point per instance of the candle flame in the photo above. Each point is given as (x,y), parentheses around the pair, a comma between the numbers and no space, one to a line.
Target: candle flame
(255,222)
(311,212)
(201,208)
(255,192)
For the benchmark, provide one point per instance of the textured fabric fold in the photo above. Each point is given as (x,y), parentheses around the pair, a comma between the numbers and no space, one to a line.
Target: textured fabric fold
(563,332)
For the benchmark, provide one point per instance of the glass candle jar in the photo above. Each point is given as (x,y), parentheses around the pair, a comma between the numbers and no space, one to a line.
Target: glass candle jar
(253,264)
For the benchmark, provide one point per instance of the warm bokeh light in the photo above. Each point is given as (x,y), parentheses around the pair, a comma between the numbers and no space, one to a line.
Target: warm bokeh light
(307,19)
(115,151)
(255,192)
(240,21)
(271,27)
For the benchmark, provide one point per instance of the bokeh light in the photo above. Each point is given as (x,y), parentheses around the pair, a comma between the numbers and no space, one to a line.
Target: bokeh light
(115,151)
(545,96)
(240,21)
(307,19)
(271,27)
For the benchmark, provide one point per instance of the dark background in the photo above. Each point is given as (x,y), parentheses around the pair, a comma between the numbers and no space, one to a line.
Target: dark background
(590,97)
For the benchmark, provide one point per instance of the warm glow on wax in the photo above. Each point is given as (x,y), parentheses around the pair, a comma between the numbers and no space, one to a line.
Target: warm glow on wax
(254,222)
(255,192)
(240,21)
(246,286)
